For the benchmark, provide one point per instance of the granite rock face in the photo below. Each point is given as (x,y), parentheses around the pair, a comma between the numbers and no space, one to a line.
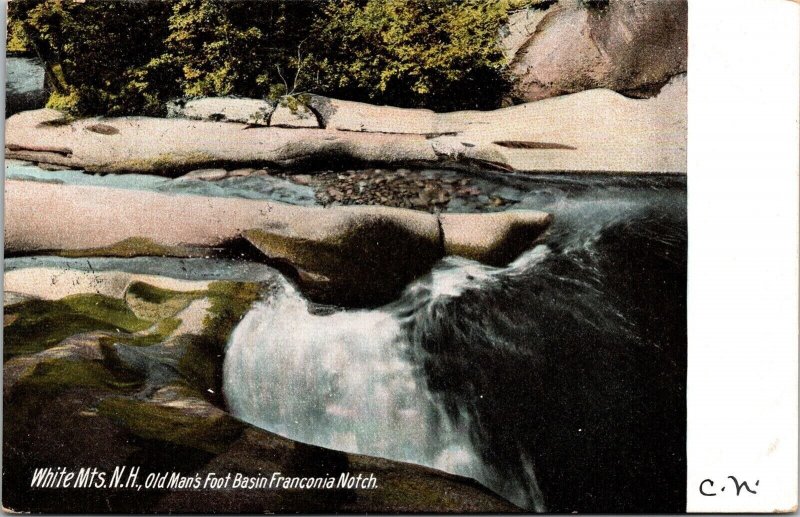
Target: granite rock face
(347,255)
(630,46)
(591,131)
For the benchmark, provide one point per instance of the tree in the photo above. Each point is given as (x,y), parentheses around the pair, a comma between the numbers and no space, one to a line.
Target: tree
(242,48)
(131,57)
(95,52)
(441,54)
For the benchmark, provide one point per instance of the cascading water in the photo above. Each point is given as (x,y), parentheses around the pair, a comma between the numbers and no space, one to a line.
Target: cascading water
(556,381)
(349,380)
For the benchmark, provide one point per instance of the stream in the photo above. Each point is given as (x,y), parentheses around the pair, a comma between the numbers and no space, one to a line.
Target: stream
(558,381)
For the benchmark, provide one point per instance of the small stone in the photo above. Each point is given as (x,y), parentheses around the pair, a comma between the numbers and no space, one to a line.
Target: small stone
(301,179)
(426,196)
(335,193)
(241,172)
(51,167)
(205,175)
(419,202)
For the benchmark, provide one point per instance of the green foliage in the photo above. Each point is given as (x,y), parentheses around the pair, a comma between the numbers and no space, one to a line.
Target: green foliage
(16,39)
(242,48)
(131,57)
(441,54)
(98,54)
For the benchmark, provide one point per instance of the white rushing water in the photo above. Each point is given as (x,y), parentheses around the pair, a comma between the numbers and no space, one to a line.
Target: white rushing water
(478,370)
(352,380)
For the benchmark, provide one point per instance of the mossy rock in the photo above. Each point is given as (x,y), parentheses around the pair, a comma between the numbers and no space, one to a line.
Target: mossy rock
(92,409)
(135,247)
(41,324)
(36,325)
(154,303)
(201,363)
(356,257)
(155,422)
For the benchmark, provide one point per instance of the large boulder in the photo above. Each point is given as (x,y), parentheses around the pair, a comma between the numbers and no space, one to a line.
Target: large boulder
(177,145)
(495,238)
(352,255)
(629,46)
(355,256)
(590,131)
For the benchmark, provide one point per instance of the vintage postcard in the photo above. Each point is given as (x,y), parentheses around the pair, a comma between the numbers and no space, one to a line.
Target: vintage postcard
(325,256)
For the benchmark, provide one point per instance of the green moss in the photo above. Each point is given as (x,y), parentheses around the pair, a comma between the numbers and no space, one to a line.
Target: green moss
(111,310)
(154,304)
(134,247)
(201,364)
(67,373)
(229,303)
(39,391)
(172,165)
(153,294)
(40,324)
(157,334)
(153,422)
(36,325)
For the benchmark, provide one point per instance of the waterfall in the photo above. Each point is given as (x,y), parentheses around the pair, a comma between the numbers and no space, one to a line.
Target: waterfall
(352,380)
(530,378)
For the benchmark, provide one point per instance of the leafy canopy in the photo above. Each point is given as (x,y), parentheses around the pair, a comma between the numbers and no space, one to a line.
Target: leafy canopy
(131,57)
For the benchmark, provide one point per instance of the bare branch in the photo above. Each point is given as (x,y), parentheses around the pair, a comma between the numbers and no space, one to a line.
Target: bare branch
(285,84)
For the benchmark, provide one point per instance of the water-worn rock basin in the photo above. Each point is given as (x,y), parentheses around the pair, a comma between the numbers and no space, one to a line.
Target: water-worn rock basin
(529,377)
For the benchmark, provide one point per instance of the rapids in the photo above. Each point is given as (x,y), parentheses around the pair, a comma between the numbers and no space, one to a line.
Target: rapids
(557,381)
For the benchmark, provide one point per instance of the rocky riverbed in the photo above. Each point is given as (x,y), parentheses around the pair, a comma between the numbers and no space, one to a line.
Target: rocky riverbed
(104,367)
(129,351)
(422,190)
(464,305)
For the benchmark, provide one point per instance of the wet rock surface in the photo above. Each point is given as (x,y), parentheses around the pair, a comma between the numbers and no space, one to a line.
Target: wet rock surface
(352,255)
(106,380)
